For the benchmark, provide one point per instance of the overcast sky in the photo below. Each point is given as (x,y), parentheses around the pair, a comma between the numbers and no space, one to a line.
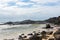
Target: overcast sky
(16,10)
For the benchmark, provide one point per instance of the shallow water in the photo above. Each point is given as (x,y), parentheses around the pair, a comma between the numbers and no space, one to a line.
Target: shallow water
(12,31)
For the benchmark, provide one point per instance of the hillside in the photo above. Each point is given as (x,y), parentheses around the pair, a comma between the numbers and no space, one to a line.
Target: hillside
(25,22)
(54,20)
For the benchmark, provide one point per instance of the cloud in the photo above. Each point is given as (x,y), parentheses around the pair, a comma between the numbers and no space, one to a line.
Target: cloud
(28,9)
(52,4)
(29,3)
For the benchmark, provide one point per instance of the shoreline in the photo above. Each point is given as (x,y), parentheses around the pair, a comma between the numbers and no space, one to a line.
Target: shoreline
(34,32)
(15,36)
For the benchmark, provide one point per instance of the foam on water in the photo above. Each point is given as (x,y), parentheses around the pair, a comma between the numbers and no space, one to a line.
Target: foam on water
(12,31)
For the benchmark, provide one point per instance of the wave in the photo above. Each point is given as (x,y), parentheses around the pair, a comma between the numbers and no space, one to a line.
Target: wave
(13,26)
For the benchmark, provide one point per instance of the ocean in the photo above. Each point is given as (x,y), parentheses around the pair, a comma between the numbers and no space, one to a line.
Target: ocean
(13,31)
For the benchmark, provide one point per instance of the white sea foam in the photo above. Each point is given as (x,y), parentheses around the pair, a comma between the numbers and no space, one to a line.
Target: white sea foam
(13,31)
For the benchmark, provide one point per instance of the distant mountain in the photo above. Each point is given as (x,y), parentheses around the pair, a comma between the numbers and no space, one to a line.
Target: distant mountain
(25,22)
(55,20)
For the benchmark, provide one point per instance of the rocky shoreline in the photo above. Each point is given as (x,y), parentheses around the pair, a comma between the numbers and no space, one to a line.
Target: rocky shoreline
(44,35)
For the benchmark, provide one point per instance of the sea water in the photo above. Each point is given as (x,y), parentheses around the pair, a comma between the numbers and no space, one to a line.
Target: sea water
(13,31)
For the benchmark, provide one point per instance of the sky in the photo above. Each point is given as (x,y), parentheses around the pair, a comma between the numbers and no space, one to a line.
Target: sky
(18,10)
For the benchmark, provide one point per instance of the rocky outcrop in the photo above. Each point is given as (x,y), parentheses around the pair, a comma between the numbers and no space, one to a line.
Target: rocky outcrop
(57,34)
